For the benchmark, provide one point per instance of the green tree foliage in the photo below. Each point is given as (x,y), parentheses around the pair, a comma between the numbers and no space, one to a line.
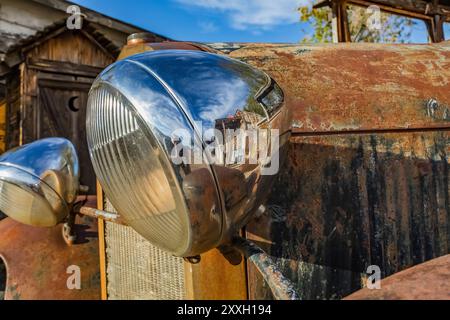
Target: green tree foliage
(320,22)
(394,28)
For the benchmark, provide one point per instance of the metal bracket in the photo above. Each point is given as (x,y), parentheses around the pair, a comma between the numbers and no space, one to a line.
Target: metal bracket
(193,259)
(68,230)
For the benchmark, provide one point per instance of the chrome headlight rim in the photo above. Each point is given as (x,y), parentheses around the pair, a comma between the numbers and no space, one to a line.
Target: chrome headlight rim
(148,76)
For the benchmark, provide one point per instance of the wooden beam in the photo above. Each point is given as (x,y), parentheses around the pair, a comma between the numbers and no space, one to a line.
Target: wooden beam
(322,4)
(408,8)
(43,39)
(435,29)
(341,31)
(335,22)
(439,28)
(214,278)
(93,40)
(414,6)
(64,67)
(344,24)
(102,245)
(391,9)
(4,69)
(66,85)
(438,25)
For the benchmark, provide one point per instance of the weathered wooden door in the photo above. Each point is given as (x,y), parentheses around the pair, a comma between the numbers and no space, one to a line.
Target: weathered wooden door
(62,113)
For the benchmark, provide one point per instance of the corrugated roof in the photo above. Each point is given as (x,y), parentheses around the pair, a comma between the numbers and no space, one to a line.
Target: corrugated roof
(21,20)
(14,53)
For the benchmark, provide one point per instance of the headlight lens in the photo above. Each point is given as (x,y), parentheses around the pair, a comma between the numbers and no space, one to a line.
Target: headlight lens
(134,172)
(29,207)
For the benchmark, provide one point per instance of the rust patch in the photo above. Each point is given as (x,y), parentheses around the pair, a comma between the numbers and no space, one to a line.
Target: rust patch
(344,202)
(37,260)
(426,281)
(354,87)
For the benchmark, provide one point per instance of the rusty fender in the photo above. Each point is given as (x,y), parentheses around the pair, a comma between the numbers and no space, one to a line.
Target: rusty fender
(37,261)
(427,281)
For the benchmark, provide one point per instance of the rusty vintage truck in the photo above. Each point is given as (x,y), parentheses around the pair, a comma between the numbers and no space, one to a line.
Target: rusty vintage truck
(363,179)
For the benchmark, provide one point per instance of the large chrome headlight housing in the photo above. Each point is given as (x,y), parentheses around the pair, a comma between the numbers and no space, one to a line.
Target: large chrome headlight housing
(147,112)
(39,182)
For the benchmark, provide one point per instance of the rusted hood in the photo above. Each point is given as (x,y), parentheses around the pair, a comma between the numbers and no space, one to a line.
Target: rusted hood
(359,87)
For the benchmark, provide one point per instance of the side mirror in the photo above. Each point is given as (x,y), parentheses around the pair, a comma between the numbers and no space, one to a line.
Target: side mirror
(39,182)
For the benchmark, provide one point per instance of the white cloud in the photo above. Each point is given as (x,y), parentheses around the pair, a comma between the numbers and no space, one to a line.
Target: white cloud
(207,26)
(253,14)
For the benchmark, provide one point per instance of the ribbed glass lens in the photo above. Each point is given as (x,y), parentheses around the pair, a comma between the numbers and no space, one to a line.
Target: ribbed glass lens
(134,172)
(25,206)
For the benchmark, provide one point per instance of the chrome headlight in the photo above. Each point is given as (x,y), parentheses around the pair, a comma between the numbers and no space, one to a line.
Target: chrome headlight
(147,112)
(39,182)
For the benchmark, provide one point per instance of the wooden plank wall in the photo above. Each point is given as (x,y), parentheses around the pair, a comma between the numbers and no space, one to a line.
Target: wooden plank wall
(13,102)
(71,46)
(2,126)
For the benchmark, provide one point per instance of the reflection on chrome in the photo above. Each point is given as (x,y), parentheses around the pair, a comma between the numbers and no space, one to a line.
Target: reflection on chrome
(228,147)
(39,181)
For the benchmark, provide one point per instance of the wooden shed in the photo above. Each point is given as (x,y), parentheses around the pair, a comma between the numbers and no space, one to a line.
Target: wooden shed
(46,70)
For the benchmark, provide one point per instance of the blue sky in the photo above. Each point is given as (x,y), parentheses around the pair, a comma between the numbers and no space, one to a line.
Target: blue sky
(209,20)
(217,20)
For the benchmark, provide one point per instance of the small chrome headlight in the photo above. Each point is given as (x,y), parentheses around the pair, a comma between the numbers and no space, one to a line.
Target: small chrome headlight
(147,112)
(39,182)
